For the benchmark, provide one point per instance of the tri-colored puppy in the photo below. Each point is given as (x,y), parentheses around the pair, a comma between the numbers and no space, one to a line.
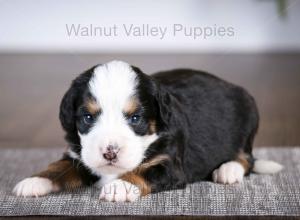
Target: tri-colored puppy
(132,134)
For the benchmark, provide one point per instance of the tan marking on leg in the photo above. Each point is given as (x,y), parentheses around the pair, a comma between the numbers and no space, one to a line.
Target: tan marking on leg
(152,126)
(152,162)
(63,175)
(139,181)
(242,158)
(136,176)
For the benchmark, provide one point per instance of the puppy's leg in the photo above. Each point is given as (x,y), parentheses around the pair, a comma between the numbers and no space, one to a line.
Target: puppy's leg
(233,171)
(140,181)
(128,187)
(59,175)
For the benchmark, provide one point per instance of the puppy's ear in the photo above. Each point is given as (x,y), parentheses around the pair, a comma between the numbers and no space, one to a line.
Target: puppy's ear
(67,109)
(164,105)
(72,97)
(157,96)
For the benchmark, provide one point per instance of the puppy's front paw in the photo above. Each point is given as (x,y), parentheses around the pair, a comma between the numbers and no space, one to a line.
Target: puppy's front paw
(120,191)
(34,186)
(229,173)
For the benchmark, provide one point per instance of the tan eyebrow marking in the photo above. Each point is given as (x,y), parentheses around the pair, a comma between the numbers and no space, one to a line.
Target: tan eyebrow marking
(131,106)
(92,106)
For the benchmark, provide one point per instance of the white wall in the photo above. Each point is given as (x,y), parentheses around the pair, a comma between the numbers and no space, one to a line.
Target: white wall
(40,25)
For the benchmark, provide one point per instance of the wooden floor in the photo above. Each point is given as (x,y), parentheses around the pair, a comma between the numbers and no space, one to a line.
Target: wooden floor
(31,87)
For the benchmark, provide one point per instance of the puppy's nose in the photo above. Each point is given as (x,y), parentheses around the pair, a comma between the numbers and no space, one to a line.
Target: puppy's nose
(111,152)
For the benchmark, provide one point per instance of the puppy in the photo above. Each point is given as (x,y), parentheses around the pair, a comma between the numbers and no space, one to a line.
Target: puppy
(132,134)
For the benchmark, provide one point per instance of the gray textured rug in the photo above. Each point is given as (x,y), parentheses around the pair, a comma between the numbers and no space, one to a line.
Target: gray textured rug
(259,194)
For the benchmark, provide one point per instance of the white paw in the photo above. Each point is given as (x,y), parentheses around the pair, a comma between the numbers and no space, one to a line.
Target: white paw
(119,191)
(34,186)
(229,173)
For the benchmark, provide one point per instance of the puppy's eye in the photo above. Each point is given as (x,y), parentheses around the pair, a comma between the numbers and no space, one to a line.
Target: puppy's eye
(134,119)
(88,119)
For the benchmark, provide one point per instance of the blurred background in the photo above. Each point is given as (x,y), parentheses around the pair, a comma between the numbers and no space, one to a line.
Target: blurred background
(45,44)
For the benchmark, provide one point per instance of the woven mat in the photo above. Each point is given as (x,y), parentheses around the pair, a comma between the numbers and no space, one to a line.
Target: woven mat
(277,194)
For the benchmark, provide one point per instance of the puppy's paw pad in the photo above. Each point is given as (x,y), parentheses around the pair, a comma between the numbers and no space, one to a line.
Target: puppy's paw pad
(229,173)
(34,186)
(120,191)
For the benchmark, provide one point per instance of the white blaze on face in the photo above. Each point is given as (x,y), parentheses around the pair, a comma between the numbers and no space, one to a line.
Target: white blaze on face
(112,85)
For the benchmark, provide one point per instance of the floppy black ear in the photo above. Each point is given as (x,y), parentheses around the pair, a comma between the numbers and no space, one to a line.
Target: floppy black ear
(164,105)
(158,97)
(72,98)
(67,109)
